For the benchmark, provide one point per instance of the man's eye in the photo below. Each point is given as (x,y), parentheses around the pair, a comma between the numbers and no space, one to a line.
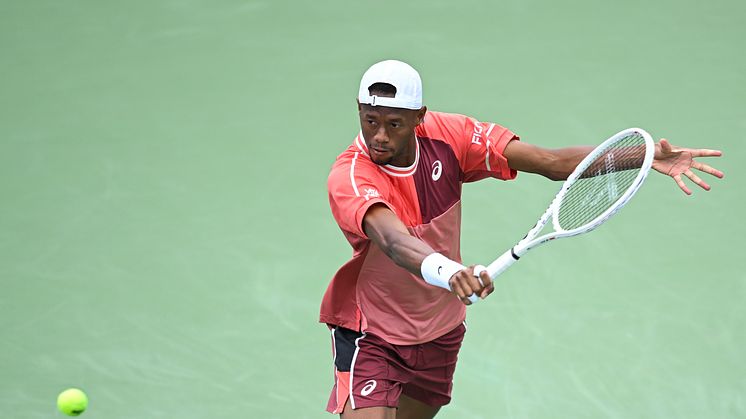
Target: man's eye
(395,125)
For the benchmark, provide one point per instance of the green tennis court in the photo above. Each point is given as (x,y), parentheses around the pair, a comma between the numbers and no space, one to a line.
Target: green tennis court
(165,237)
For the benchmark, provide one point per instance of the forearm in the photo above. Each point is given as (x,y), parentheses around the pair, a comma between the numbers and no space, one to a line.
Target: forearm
(387,232)
(392,237)
(616,160)
(416,256)
(562,161)
(406,251)
(555,164)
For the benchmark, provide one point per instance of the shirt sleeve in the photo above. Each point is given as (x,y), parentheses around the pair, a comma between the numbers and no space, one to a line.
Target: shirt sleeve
(353,188)
(479,146)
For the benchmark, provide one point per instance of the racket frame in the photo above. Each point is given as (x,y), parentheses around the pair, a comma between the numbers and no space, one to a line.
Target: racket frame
(530,240)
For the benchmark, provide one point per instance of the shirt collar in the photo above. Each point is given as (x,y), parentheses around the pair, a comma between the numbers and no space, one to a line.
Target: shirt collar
(388,168)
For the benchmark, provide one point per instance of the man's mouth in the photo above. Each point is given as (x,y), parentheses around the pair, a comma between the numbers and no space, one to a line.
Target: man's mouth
(379,150)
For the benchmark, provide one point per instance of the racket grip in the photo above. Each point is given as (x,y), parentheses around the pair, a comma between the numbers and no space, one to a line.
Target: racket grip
(501,264)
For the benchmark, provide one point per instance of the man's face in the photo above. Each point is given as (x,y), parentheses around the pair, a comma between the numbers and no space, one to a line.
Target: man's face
(389,133)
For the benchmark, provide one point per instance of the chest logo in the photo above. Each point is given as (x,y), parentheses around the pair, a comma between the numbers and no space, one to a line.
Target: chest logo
(437,169)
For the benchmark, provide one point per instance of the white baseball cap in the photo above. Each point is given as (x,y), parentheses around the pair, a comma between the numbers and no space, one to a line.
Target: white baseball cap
(402,76)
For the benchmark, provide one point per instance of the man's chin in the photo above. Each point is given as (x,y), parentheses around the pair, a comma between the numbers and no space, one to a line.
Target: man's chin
(380,162)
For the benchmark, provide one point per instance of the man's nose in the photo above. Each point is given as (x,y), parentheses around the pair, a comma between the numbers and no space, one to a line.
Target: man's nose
(381,136)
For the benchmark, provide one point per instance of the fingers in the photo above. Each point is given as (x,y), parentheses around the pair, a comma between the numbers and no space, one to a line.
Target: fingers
(696,179)
(458,289)
(666,147)
(707,169)
(464,284)
(487,282)
(675,162)
(703,152)
(681,184)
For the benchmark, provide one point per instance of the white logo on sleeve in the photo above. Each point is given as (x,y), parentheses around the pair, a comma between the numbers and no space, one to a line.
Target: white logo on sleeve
(437,169)
(371,193)
(370,385)
(476,138)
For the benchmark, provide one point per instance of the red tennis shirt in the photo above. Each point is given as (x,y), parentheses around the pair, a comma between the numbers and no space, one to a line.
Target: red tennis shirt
(370,293)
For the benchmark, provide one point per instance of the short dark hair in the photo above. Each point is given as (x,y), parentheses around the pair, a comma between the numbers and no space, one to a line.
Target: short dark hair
(382,89)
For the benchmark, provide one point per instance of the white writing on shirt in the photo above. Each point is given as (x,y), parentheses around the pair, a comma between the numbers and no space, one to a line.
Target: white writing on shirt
(476,137)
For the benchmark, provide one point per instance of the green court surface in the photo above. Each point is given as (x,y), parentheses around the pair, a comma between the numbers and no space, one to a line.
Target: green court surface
(165,237)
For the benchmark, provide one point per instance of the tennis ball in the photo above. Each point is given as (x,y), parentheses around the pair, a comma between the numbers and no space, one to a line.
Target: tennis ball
(72,402)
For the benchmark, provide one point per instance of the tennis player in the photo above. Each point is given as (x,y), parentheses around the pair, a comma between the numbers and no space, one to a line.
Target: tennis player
(396,195)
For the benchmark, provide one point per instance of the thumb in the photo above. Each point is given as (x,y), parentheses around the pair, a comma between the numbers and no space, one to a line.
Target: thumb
(665,146)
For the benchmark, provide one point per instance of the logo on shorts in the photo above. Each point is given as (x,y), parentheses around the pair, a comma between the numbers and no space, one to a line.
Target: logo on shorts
(370,385)
(437,169)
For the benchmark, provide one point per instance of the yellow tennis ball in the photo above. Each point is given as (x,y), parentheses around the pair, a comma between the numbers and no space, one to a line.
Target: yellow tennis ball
(72,402)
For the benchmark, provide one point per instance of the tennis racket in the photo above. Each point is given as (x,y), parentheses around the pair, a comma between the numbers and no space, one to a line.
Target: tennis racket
(599,186)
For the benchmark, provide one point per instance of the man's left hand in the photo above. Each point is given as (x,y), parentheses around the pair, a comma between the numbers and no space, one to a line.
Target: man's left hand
(677,161)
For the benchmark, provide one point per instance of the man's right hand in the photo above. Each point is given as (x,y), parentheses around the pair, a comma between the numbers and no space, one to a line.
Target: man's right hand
(464,283)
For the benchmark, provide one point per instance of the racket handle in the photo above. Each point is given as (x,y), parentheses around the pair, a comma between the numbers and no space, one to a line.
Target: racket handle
(502,263)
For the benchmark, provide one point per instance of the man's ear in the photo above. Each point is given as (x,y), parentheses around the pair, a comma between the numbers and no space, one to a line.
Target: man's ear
(421,115)
(358,104)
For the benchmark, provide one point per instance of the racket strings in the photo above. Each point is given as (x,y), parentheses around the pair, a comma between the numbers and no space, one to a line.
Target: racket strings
(602,183)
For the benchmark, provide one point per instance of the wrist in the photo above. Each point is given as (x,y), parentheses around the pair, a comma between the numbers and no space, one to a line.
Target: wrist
(437,270)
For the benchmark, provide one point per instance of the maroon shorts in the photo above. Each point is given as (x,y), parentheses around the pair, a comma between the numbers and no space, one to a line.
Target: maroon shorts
(372,372)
